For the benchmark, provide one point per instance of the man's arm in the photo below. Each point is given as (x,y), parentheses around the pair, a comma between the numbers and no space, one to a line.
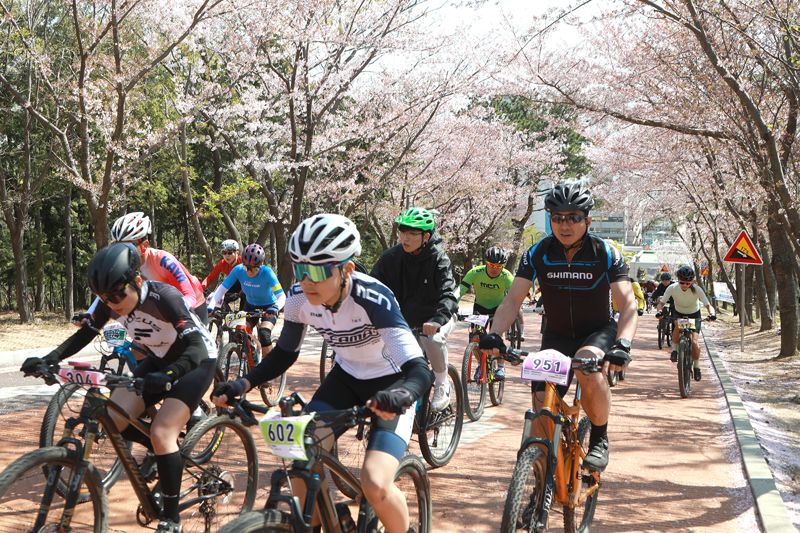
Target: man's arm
(447,305)
(508,310)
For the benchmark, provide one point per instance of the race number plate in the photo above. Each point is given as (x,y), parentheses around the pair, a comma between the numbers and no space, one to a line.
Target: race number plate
(478,320)
(233,320)
(82,377)
(685,323)
(547,365)
(114,334)
(284,436)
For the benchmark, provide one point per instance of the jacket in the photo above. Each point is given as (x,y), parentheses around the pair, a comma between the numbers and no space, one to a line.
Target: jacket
(423,284)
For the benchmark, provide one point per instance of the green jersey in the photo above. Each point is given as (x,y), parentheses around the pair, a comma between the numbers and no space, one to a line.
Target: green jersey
(489,292)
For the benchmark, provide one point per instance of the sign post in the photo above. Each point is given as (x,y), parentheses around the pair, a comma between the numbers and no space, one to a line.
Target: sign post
(742,252)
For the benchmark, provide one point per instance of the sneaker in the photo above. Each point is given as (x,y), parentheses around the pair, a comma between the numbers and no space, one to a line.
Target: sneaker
(697,374)
(168,526)
(441,396)
(597,458)
(673,356)
(477,375)
(500,373)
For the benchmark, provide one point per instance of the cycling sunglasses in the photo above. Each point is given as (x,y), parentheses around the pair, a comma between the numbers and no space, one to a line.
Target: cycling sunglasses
(315,273)
(495,265)
(573,219)
(115,295)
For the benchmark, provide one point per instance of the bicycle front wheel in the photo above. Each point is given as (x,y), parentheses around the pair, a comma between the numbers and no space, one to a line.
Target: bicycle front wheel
(24,483)
(660,334)
(685,367)
(439,432)
(231,361)
(515,335)
(412,480)
(525,497)
(474,391)
(217,486)
(272,390)
(496,388)
(266,520)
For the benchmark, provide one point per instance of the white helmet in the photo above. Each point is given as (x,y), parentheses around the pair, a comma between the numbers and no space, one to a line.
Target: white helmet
(131,227)
(229,245)
(325,238)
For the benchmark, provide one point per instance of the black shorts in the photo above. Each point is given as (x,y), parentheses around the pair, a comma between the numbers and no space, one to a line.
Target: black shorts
(189,389)
(340,390)
(480,310)
(698,321)
(253,322)
(603,339)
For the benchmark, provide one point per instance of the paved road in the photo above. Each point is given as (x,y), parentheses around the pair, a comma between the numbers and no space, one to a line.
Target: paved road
(674,463)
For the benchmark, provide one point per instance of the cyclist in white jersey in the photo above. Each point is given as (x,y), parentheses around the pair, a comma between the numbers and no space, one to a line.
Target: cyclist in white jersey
(378,361)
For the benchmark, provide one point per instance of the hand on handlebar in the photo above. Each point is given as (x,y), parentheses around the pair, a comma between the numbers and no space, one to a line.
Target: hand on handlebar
(711,318)
(492,341)
(388,403)
(227,391)
(32,364)
(82,319)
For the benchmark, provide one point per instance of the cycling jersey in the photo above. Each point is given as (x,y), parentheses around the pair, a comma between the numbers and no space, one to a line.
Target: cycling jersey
(160,265)
(576,293)
(688,301)
(261,290)
(223,267)
(489,292)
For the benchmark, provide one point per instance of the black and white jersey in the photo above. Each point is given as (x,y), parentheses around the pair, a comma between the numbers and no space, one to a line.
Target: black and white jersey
(368,332)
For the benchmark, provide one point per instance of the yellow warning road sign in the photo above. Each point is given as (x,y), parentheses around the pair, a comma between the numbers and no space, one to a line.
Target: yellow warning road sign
(743,251)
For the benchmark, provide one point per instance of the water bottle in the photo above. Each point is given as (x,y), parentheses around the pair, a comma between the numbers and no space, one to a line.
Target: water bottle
(345,518)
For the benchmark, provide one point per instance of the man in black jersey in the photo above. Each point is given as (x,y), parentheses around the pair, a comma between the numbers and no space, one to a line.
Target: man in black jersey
(576,272)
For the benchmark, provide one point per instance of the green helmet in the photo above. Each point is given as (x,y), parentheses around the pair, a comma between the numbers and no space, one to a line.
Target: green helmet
(417,218)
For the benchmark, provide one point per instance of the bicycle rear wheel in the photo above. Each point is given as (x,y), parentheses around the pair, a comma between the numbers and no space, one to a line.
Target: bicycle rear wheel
(326,361)
(515,335)
(660,333)
(474,392)
(439,432)
(685,366)
(23,485)
(266,520)
(272,390)
(412,480)
(232,361)
(668,332)
(217,486)
(525,495)
(579,518)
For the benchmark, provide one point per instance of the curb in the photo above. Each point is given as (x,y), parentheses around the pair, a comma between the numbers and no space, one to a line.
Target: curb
(770,508)
(14,359)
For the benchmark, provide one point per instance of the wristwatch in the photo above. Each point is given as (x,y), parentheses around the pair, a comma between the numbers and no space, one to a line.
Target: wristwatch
(625,344)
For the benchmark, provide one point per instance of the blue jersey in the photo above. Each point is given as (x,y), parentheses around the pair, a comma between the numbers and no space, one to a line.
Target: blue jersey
(261,290)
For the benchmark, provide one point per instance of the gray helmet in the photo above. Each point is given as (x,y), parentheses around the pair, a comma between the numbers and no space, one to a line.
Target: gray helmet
(113,265)
(567,196)
(229,245)
(495,254)
(685,273)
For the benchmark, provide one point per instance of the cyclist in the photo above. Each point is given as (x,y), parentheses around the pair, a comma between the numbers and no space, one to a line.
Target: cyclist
(180,358)
(658,292)
(490,282)
(576,271)
(378,362)
(418,272)
(687,298)
(262,290)
(230,258)
(637,293)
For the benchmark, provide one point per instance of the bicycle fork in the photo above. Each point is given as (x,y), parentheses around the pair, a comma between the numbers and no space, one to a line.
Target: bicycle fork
(552,460)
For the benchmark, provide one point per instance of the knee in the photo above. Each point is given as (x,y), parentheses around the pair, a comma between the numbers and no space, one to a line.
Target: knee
(265,336)
(375,489)
(162,435)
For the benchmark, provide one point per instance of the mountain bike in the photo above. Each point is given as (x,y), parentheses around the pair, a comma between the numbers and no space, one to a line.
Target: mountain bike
(685,363)
(292,435)
(117,357)
(440,431)
(219,478)
(215,320)
(239,355)
(550,467)
(477,383)
(664,328)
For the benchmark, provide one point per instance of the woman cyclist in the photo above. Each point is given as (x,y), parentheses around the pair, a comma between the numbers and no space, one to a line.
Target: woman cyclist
(378,361)
(262,290)
(156,316)
(230,258)
(687,299)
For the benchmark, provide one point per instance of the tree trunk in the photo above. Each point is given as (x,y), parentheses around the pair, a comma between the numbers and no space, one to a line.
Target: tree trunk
(69,275)
(21,269)
(38,263)
(190,207)
(782,264)
(770,284)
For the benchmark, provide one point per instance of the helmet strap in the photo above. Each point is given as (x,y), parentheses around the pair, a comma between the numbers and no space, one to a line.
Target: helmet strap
(342,293)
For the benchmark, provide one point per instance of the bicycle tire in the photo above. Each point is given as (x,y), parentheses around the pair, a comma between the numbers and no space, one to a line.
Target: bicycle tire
(522,507)
(17,509)
(232,361)
(448,421)
(104,457)
(668,334)
(684,367)
(257,521)
(233,464)
(326,361)
(272,391)
(660,328)
(580,520)
(613,377)
(496,388)
(411,475)
(474,392)
(350,453)
(515,335)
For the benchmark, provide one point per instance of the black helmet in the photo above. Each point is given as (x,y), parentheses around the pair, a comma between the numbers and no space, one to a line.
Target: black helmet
(113,265)
(567,196)
(495,254)
(666,276)
(685,273)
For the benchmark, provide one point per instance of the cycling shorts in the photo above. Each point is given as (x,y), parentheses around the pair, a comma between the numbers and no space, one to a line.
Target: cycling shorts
(189,389)
(698,321)
(340,390)
(480,310)
(603,339)
(253,322)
